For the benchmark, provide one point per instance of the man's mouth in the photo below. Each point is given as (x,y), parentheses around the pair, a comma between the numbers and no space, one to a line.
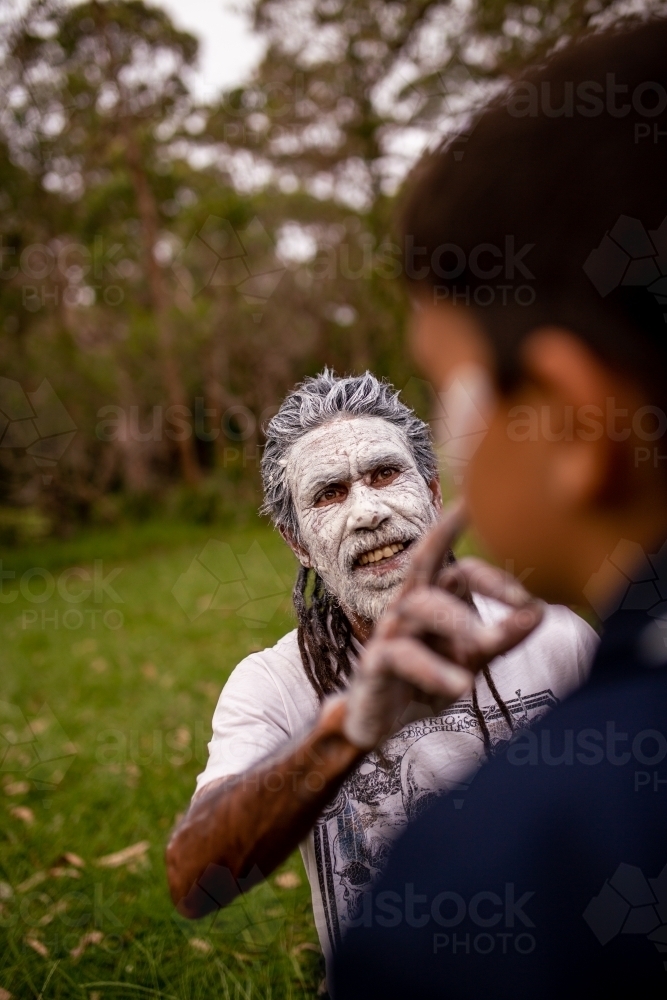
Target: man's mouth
(381,554)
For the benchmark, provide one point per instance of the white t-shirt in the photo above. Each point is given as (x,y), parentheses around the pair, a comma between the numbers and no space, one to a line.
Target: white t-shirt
(269,701)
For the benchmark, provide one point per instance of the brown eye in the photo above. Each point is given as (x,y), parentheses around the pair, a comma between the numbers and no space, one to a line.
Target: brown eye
(330,495)
(386,473)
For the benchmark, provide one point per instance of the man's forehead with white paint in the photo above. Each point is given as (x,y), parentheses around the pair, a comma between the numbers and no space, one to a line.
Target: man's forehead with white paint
(344,449)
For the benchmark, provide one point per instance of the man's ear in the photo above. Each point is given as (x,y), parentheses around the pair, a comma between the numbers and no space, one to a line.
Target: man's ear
(436,493)
(299,551)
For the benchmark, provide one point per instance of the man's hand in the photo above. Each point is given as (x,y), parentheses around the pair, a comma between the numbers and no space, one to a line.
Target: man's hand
(428,648)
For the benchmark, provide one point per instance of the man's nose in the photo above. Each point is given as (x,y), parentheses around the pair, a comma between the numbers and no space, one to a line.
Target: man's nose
(367,510)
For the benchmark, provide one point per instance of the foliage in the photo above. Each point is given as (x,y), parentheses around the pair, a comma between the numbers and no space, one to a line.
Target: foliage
(172,268)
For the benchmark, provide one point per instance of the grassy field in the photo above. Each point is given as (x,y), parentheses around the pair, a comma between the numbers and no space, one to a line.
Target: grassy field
(107,688)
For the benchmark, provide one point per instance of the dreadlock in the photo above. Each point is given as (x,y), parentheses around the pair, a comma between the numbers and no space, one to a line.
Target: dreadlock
(479,715)
(324,632)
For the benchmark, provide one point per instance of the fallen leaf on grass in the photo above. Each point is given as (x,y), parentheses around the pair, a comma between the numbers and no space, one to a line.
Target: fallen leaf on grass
(288,880)
(59,872)
(31,882)
(306,946)
(92,937)
(128,854)
(200,945)
(17,787)
(23,813)
(37,946)
(6,892)
(72,859)
(240,957)
(5,994)
(60,907)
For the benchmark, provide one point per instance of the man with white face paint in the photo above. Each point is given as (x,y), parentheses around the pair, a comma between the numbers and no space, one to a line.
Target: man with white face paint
(387,501)
(308,750)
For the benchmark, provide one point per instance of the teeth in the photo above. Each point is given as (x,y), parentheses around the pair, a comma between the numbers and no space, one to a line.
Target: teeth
(377,554)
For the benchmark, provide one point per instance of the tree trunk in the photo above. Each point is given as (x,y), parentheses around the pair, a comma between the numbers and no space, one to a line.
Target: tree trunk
(148,216)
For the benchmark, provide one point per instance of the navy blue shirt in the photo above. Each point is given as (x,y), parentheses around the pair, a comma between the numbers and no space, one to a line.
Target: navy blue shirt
(549,879)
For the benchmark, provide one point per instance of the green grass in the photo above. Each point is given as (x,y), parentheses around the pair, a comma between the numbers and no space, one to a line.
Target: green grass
(120,720)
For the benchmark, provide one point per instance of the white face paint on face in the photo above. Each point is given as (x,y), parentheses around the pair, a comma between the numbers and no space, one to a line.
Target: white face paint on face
(360,502)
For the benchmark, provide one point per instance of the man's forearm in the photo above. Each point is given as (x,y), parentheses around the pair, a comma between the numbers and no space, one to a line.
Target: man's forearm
(244,828)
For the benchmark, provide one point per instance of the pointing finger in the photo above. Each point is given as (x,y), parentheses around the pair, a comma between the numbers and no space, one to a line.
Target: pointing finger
(432,550)
(470,575)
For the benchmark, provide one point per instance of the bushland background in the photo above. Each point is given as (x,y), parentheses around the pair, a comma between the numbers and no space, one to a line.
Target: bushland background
(169,268)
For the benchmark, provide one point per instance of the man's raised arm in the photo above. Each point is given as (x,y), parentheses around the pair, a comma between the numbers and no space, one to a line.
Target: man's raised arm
(422,658)
(239,829)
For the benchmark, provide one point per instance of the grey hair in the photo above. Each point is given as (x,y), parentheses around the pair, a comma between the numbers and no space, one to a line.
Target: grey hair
(322,398)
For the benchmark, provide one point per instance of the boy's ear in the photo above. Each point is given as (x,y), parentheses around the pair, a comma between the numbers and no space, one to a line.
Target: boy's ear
(436,493)
(573,380)
(299,551)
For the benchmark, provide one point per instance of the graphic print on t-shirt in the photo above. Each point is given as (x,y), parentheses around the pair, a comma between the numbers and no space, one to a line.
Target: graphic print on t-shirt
(354,835)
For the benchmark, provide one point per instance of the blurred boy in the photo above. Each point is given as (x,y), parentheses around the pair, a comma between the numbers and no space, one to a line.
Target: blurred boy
(552,880)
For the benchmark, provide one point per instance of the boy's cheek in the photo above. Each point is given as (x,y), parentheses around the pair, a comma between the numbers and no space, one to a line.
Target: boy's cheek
(506,500)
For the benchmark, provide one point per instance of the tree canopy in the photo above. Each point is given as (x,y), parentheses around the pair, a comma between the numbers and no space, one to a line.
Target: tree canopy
(172,267)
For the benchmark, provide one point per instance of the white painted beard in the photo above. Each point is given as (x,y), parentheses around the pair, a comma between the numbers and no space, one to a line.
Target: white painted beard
(366,596)
(367,603)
